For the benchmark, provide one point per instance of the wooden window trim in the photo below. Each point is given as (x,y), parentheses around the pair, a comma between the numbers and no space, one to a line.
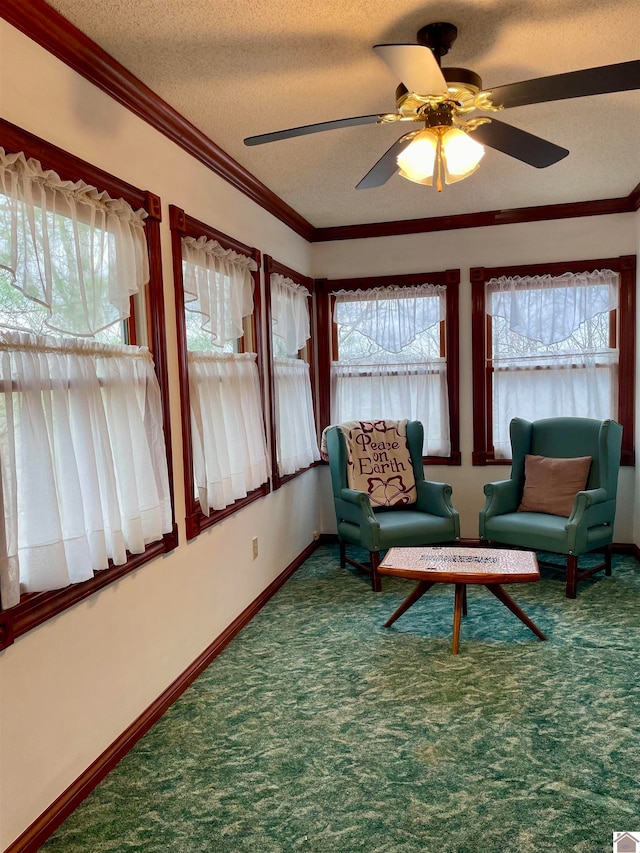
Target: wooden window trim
(183,225)
(625,266)
(451,279)
(272,266)
(36,608)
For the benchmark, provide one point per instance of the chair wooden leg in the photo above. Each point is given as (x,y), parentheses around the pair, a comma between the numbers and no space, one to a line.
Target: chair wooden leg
(376,581)
(572,576)
(607,561)
(343,553)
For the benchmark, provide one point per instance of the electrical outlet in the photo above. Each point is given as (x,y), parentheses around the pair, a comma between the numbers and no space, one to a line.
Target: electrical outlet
(254,543)
(316,535)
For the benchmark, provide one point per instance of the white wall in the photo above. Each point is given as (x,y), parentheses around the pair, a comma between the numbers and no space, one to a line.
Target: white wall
(71,686)
(501,245)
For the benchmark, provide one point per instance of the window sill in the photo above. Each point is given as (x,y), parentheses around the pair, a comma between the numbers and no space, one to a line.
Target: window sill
(197,521)
(286,478)
(38,607)
(454,458)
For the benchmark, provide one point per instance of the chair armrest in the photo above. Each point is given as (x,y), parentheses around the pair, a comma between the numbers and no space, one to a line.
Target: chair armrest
(435,498)
(501,496)
(591,506)
(358,506)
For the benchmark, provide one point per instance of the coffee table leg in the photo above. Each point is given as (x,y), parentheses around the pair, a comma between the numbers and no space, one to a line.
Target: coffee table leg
(411,599)
(459,600)
(506,599)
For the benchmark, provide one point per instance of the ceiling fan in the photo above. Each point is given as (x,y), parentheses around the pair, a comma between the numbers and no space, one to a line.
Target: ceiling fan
(442,99)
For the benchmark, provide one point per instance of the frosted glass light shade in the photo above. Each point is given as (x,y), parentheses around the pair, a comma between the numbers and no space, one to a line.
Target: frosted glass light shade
(461,154)
(417,161)
(438,149)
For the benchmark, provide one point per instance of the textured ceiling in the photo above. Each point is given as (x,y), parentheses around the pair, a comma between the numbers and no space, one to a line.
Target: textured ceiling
(236,70)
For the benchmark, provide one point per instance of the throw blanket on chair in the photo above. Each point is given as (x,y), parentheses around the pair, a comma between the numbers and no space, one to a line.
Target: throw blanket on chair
(379,462)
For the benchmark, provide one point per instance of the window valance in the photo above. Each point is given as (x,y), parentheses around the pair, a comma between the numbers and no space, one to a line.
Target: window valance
(549,308)
(218,285)
(290,312)
(69,247)
(392,316)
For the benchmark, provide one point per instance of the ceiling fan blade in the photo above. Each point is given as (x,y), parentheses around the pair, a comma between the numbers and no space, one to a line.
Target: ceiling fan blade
(415,66)
(386,167)
(519,144)
(311,128)
(621,77)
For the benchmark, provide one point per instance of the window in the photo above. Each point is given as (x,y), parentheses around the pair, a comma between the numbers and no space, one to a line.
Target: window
(85,486)
(218,313)
(293,428)
(552,340)
(393,353)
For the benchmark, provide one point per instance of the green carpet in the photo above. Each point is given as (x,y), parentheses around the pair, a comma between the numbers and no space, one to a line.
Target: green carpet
(319,730)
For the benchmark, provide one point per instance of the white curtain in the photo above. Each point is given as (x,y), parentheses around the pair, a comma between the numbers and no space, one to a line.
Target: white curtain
(229,447)
(551,349)
(391,316)
(390,366)
(549,309)
(218,286)
(82,453)
(290,313)
(68,247)
(395,392)
(296,439)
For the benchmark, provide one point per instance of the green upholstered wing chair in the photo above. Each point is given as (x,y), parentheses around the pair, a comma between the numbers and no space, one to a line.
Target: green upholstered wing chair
(430,520)
(589,526)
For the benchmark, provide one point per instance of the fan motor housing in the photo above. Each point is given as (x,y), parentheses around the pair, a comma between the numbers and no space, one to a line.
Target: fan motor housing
(462,78)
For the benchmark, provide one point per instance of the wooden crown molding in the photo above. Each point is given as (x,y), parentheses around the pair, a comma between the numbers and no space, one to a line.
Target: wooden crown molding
(48,28)
(511,216)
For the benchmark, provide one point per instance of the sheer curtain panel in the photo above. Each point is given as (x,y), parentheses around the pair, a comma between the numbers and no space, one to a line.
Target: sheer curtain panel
(554,348)
(73,250)
(296,438)
(84,478)
(390,360)
(290,313)
(84,471)
(217,286)
(227,425)
(229,446)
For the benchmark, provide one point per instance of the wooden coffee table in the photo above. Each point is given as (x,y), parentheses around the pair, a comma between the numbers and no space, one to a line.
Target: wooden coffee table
(462,566)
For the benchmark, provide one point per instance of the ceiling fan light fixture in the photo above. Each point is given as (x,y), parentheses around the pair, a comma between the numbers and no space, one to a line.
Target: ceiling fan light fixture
(418,160)
(461,154)
(438,150)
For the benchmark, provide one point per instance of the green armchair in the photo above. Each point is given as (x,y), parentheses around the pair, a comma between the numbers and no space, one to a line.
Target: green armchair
(589,525)
(430,520)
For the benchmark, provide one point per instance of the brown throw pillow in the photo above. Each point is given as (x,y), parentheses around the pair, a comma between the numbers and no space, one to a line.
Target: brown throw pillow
(550,485)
